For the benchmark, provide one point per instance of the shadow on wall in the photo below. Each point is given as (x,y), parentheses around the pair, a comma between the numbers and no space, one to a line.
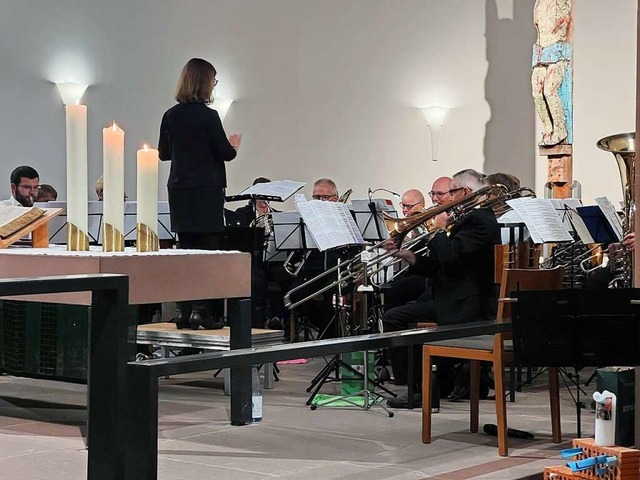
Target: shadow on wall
(509,143)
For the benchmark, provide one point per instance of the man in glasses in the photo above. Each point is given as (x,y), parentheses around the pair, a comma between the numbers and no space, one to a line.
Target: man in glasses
(441,191)
(460,264)
(24,187)
(412,202)
(325,189)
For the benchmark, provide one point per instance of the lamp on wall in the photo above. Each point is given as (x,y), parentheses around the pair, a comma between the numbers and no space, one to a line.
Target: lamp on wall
(435,116)
(71,93)
(221,105)
(77,189)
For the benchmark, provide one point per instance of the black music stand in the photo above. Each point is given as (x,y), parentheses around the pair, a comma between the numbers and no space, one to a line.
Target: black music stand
(576,328)
(368,217)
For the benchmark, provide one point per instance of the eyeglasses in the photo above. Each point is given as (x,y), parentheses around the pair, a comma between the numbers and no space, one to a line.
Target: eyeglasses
(323,197)
(215,82)
(409,206)
(454,190)
(434,193)
(29,187)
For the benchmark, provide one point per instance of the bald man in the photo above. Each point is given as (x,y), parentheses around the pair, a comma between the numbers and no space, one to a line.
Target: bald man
(441,191)
(412,202)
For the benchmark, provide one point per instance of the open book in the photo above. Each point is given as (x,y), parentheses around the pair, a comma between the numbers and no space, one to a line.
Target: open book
(13,218)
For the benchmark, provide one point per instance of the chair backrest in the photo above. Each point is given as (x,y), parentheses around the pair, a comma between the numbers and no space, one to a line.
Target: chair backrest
(525,280)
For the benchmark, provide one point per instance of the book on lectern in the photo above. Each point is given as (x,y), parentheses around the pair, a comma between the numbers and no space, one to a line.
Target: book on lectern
(14,218)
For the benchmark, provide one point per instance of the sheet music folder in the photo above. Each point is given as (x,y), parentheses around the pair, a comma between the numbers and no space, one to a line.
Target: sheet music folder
(597,224)
(277,191)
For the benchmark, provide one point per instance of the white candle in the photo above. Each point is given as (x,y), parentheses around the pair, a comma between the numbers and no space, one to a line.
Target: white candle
(77,191)
(113,199)
(147,192)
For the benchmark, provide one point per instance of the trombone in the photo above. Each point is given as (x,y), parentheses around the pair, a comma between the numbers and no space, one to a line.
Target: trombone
(355,269)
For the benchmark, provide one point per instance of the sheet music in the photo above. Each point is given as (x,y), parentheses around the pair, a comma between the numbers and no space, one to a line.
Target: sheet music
(282,189)
(541,219)
(330,223)
(611,215)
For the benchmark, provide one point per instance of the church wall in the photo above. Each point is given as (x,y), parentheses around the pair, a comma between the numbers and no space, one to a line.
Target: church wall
(321,87)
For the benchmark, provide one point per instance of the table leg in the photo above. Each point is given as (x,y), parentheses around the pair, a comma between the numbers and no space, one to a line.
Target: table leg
(240,326)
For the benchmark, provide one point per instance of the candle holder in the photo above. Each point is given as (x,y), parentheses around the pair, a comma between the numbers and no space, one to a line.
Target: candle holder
(146,239)
(112,239)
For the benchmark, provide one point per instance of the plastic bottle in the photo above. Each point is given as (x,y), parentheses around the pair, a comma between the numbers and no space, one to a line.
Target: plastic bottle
(256,395)
(435,390)
(605,418)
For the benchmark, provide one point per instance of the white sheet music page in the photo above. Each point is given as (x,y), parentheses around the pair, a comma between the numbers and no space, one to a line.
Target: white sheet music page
(612,216)
(279,188)
(330,223)
(541,220)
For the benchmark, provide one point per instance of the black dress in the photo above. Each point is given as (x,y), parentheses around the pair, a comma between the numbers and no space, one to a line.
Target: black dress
(192,137)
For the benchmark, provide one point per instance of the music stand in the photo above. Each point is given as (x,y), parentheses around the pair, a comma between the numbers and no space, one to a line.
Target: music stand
(58,225)
(597,224)
(368,217)
(576,328)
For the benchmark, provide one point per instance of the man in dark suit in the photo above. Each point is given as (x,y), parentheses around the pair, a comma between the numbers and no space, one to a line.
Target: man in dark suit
(460,263)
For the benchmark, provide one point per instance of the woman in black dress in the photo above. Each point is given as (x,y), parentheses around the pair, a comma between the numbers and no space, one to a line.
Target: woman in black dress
(192,137)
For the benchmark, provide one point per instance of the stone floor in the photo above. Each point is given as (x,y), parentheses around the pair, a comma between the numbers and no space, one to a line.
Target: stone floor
(42,435)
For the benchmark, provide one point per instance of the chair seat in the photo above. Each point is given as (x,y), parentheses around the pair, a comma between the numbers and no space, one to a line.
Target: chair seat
(479,342)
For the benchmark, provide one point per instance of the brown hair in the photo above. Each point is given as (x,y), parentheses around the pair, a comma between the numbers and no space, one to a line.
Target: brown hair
(196,82)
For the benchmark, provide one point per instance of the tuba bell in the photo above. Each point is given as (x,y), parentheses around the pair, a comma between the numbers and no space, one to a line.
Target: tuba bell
(622,145)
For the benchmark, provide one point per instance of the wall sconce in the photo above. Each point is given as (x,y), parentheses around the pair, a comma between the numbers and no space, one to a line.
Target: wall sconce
(435,118)
(221,105)
(71,93)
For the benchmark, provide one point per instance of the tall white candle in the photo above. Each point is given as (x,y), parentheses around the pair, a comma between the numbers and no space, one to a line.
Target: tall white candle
(113,199)
(77,190)
(147,193)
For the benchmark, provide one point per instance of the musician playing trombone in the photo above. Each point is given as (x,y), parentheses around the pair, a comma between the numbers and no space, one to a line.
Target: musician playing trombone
(408,287)
(461,264)
(318,312)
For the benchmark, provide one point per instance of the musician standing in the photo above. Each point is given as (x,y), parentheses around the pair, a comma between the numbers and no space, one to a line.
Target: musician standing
(461,263)
(192,137)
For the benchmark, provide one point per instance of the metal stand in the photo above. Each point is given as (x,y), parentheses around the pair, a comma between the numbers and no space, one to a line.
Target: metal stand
(369,397)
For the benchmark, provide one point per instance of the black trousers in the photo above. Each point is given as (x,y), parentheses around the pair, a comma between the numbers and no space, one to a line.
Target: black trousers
(404,318)
(201,241)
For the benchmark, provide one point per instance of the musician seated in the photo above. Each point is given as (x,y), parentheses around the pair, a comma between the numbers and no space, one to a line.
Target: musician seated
(319,311)
(261,207)
(461,265)
(46,193)
(406,288)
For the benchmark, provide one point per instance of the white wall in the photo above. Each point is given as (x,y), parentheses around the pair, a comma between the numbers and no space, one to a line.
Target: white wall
(322,87)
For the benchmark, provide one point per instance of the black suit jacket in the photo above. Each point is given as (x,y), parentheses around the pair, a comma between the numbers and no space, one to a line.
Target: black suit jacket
(461,265)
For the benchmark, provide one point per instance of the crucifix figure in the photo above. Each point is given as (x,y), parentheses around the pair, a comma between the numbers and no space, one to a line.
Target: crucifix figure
(551,79)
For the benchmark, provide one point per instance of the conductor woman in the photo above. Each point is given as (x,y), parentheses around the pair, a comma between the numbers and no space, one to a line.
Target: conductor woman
(192,138)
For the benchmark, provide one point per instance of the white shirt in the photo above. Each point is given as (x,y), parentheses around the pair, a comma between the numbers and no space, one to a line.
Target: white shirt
(11,201)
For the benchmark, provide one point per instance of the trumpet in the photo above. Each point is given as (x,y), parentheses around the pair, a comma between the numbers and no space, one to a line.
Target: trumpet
(355,269)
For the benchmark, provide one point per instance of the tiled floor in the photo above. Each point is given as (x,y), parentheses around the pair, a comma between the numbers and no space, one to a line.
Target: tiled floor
(42,428)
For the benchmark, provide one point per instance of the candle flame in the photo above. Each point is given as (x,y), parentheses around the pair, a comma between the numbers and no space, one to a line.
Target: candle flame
(146,147)
(114,127)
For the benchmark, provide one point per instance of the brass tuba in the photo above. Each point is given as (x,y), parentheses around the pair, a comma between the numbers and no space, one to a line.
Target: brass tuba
(622,145)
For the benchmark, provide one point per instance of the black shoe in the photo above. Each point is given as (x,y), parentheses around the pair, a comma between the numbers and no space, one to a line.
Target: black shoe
(403,402)
(459,393)
(462,393)
(180,320)
(204,320)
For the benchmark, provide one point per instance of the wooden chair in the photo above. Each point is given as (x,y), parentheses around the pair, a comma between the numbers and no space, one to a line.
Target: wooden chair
(491,348)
